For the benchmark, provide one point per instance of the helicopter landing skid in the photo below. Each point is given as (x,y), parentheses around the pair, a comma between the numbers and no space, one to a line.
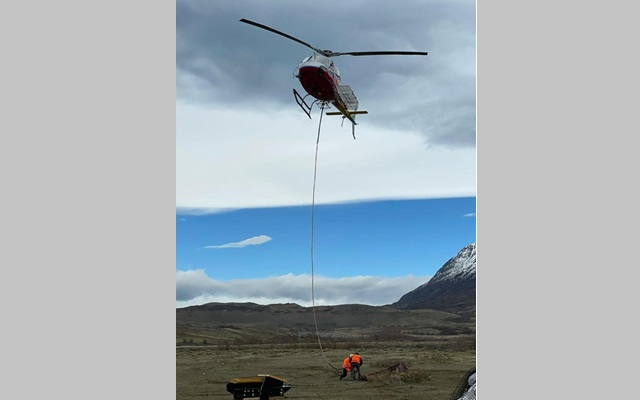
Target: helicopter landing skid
(303,104)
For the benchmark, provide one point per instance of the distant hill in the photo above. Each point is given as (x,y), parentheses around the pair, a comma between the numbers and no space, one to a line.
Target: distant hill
(445,305)
(293,315)
(452,288)
(242,323)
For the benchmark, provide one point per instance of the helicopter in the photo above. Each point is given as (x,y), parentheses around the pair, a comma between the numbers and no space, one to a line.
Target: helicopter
(320,78)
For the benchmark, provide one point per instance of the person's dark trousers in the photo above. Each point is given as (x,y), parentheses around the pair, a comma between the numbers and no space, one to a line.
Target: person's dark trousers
(355,369)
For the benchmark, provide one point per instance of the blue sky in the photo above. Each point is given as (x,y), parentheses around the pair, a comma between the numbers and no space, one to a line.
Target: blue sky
(408,239)
(387,238)
(392,206)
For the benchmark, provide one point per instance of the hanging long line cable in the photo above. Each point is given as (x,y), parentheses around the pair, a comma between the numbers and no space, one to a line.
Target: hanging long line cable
(313,202)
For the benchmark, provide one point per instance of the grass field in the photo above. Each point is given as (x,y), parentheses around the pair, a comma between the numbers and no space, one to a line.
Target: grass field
(435,366)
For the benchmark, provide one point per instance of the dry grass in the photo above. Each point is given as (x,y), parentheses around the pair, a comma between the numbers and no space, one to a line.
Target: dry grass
(216,343)
(435,368)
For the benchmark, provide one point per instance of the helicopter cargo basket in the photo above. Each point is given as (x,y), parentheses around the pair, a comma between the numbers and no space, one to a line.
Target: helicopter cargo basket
(348,97)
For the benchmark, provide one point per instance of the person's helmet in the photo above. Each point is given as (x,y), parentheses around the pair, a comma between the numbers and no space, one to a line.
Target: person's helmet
(350,355)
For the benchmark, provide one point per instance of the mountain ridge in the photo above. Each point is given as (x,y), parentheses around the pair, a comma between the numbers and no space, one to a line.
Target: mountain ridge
(451,289)
(445,305)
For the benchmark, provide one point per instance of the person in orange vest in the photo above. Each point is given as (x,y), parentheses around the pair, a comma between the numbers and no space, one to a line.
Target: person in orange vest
(346,367)
(356,361)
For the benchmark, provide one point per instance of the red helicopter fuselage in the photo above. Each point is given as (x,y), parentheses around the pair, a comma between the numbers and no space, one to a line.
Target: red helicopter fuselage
(319,77)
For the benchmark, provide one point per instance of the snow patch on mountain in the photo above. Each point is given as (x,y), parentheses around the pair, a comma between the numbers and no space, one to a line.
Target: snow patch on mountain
(461,266)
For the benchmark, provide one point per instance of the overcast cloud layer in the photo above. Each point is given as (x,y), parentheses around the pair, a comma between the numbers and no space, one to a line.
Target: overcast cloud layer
(229,159)
(194,287)
(241,141)
(223,61)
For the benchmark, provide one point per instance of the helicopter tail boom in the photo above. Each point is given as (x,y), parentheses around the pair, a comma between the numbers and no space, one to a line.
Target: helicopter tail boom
(347,105)
(350,112)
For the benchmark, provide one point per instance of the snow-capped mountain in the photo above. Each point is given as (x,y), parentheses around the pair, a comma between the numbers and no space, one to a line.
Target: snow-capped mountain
(462,266)
(452,288)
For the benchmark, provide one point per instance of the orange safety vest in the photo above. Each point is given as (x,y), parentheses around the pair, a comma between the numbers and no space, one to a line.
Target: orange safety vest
(356,358)
(346,364)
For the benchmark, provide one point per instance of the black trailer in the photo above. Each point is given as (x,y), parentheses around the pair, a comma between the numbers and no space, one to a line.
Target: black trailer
(261,386)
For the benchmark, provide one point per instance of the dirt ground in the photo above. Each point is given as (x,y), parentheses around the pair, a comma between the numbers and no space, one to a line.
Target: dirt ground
(202,372)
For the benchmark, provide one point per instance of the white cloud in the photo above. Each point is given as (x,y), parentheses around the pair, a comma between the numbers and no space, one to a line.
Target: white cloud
(229,159)
(247,242)
(470,215)
(194,287)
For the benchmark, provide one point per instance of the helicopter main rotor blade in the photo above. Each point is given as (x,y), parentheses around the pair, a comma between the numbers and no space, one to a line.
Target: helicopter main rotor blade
(246,21)
(380,53)
(329,53)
